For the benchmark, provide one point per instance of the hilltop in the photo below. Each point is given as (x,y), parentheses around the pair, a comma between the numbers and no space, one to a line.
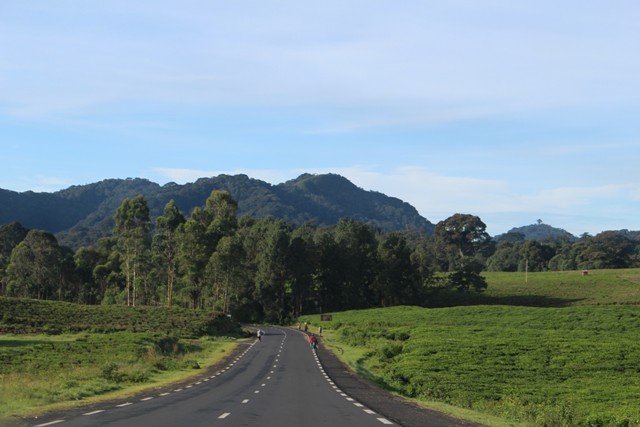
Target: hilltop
(539,231)
(81,214)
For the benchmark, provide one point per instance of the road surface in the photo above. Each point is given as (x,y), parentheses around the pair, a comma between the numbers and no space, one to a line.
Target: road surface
(278,381)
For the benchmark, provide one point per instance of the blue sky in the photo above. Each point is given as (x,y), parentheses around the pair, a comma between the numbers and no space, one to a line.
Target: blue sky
(512,111)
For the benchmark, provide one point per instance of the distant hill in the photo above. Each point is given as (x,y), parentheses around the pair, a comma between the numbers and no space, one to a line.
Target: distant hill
(540,232)
(79,215)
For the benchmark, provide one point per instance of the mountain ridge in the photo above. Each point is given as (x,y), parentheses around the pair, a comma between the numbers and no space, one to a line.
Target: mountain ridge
(81,214)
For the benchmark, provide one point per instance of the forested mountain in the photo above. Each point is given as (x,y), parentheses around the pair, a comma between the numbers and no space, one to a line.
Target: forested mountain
(539,232)
(80,215)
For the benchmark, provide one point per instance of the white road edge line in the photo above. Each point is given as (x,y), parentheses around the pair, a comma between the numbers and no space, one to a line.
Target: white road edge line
(94,412)
(50,423)
(385,421)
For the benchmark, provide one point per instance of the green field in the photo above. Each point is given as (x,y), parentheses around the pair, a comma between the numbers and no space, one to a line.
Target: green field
(553,289)
(69,354)
(560,349)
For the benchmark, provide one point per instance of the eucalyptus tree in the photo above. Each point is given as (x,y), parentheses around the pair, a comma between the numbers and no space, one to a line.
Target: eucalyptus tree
(107,273)
(165,245)
(85,261)
(221,209)
(273,271)
(132,231)
(193,254)
(227,273)
(198,238)
(10,236)
(35,267)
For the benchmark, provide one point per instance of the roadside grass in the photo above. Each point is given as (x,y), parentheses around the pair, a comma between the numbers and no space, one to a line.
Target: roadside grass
(41,373)
(56,355)
(561,349)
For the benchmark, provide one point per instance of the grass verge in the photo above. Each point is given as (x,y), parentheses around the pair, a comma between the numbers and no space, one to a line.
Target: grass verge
(41,373)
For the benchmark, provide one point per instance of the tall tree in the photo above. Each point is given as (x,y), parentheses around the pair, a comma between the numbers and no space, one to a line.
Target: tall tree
(467,276)
(194,250)
(107,273)
(132,231)
(505,258)
(608,249)
(303,263)
(221,209)
(534,256)
(357,247)
(10,236)
(461,236)
(398,281)
(226,272)
(273,272)
(86,260)
(165,245)
(35,267)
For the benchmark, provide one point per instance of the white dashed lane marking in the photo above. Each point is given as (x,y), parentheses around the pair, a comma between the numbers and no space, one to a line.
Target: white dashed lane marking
(223,416)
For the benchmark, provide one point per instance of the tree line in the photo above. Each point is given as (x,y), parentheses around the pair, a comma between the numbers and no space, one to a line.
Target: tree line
(268,270)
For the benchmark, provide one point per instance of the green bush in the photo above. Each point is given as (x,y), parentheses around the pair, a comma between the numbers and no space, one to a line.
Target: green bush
(111,372)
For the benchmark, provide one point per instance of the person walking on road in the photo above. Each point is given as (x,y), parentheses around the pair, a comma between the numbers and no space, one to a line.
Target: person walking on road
(259,334)
(313,342)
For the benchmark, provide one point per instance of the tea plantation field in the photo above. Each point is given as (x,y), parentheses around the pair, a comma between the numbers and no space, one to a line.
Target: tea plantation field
(572,360)
(54,354)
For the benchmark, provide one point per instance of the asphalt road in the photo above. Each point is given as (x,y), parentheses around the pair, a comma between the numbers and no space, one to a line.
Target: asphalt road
(278,381)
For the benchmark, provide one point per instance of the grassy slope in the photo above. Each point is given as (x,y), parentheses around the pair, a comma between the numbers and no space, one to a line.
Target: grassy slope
(73,362)
(576,365)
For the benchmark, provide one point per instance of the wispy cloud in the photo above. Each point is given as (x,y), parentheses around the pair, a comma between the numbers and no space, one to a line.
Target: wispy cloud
(397,57)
